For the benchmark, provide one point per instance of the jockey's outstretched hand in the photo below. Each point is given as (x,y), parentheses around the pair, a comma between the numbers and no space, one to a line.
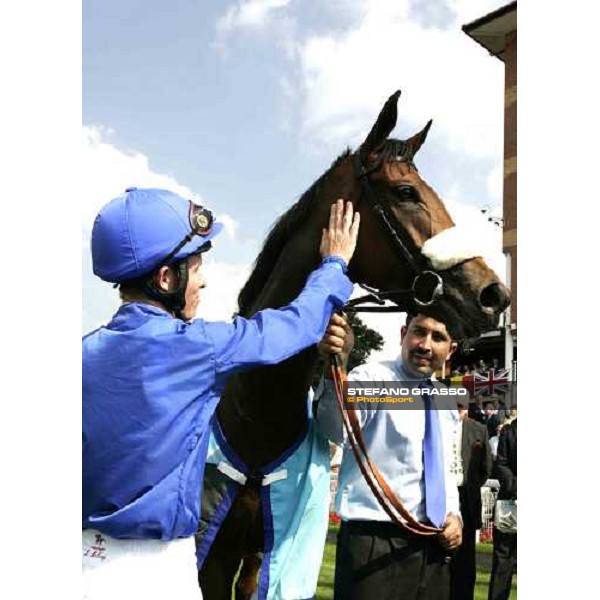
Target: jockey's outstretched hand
(339,239)
(338,339)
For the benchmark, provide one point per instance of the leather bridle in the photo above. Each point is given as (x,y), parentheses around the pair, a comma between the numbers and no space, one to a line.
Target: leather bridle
(425,274)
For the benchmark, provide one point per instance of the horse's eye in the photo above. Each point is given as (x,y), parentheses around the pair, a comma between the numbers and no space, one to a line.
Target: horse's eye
(406,193)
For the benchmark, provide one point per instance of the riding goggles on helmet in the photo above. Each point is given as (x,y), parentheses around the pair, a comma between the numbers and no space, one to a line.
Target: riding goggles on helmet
(201,223)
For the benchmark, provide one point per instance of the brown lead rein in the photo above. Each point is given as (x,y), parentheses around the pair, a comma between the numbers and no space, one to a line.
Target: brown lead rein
(381,490)
(385,496)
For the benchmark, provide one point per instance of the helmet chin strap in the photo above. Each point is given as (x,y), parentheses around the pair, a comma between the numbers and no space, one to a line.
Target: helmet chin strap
(173,301)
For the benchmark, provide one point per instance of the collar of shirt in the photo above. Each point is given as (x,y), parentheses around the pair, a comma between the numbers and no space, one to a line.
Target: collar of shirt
(131,315)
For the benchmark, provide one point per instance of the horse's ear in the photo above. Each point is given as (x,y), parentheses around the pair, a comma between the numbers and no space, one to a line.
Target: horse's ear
(416,141)
(386,121)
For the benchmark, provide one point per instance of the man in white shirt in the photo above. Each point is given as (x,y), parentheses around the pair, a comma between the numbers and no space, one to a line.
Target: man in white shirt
(375,558)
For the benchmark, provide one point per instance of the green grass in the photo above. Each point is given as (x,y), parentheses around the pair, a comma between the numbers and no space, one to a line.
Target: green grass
(485,549)
(325,585)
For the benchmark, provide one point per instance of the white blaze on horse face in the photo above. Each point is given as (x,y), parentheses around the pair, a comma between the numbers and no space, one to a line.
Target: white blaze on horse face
(453,246)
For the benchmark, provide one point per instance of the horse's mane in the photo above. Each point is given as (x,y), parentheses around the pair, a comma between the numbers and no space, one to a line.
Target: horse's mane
(278,238)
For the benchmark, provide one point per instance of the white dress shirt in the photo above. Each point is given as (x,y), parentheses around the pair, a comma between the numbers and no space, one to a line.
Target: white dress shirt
(394,441)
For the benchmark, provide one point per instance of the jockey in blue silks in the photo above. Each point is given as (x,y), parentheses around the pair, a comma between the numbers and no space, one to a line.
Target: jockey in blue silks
(152,378)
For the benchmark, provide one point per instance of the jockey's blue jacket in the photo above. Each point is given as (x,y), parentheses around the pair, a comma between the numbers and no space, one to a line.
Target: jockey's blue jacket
(151,384)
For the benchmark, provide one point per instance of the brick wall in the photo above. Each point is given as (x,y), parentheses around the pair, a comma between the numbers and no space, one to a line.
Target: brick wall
(510,162)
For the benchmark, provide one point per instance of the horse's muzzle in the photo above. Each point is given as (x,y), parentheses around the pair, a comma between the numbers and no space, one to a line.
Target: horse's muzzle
(495,297)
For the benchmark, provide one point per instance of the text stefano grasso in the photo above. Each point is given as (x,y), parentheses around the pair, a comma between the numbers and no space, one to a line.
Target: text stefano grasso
(404,391)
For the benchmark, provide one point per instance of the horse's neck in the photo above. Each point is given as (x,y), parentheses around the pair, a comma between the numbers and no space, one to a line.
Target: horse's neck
(263,411)
(295,263)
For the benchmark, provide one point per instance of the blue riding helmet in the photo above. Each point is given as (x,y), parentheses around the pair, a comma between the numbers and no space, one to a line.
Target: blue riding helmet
(143,229)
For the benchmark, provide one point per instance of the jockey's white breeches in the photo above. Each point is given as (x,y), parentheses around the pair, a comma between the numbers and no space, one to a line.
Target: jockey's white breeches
(115,569)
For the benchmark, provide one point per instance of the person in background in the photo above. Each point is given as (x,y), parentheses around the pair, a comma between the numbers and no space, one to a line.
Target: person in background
(476,409)
(504,559)
(501,408)
(512,415)
(491,419)
(472,466)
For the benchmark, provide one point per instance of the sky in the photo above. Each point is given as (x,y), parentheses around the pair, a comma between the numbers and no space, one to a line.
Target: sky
(243,105)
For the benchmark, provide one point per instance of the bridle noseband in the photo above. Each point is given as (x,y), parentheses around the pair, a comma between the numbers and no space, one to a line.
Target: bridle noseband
(425,275)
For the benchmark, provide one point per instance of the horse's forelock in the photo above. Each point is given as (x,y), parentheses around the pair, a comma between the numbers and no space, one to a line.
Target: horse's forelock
(394,149)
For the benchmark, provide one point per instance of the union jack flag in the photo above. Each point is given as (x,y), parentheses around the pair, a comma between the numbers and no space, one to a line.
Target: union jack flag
(495,381)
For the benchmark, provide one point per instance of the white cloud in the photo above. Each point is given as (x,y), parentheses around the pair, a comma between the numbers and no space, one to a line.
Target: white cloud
(109,170)
(495,183)
(224,282)
(442,73)
(469,10)
(248,14)
(342,76)
(229,223)
(260,17)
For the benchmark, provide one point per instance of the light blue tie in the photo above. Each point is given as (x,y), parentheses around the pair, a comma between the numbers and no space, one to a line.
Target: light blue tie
(433,465)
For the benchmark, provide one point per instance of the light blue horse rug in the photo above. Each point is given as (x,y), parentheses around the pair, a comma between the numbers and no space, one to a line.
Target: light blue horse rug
(295,510)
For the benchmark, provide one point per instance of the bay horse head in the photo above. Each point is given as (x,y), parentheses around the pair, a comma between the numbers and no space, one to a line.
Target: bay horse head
(409,247)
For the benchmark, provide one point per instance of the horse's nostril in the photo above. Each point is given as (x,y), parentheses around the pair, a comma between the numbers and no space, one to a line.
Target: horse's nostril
(495,296)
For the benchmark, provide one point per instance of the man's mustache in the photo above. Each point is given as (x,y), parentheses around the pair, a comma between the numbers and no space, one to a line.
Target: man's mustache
(421,353)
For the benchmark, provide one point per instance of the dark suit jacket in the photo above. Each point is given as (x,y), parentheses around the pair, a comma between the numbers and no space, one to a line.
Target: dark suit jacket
(506,462)
(476,412)
(477,467)
(492,425)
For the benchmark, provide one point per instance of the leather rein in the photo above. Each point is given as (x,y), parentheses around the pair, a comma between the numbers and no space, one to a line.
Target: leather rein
(385,496)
